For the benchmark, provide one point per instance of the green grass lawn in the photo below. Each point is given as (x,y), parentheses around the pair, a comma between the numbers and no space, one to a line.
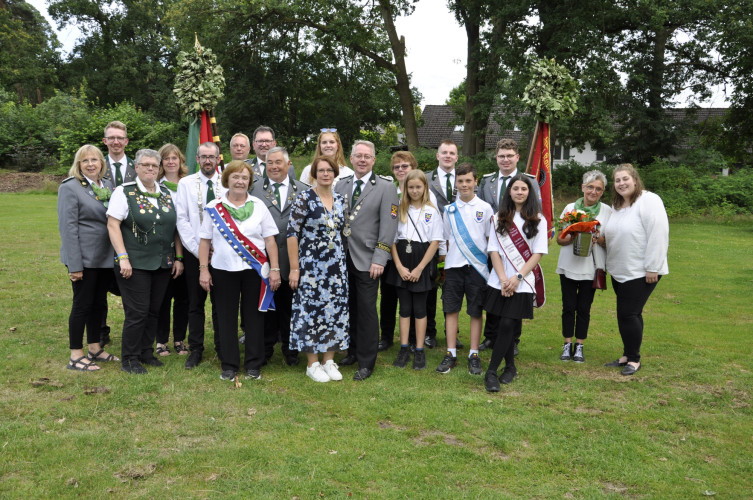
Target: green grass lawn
(680,428)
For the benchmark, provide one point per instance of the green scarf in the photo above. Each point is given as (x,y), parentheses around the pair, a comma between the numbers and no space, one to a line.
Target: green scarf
(172,186)
(593,210)
(242,213)
(103,193)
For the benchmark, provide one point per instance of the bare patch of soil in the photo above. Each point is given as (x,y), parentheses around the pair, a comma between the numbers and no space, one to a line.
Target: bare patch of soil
(18,182)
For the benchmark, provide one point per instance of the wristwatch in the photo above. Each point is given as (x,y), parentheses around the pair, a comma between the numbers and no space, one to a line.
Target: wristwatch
(519,276)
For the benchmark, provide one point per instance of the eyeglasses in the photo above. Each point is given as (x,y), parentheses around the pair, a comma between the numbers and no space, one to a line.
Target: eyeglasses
(264,141)
(363,157)
(401,166)
(506,157)
(325,171)
(593,188)
(207,157)
(149,166)
(327,130)
(89,161)
(113,138)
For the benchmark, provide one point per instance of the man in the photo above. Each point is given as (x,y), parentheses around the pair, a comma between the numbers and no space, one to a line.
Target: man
(278,192)
(442,186)
(194,192)
(370,227)
(264,140)
(119,167)
(491,190)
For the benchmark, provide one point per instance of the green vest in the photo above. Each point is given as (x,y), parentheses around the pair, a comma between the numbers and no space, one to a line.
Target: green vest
(149,232)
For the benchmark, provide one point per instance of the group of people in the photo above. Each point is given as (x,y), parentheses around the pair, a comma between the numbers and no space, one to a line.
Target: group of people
(303,261)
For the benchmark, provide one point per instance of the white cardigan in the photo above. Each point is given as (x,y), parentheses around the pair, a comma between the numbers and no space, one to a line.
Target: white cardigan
(638,239)
(583,268)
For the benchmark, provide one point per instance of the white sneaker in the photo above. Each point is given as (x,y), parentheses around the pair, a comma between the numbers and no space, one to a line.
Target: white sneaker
(316,373)
(331,369)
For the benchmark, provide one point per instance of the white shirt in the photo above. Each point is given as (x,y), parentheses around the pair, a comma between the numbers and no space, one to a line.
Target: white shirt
(118,206)
(284,185)
(123,167)
(443,179)
(364,180)
(477,216)
(499,181)
(257,227)
(189,205)
(583,268)
(537,244)
(638,239)
(428,225)
(94,183)
(433,199)
(174,194)
(306,175)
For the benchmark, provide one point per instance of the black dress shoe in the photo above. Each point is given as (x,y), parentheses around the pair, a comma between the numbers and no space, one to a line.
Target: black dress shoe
(491,383)
(362,374)
(486,344)
(152,362)
(430,342)
(291,360)
(508,375)
(384,345)
(348,360)
(133,367)
(193,360)
(630,369)
(616,363)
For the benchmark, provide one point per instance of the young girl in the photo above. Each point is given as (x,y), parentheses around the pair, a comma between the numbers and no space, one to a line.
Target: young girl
(516,243)
(328,144)
(419,232)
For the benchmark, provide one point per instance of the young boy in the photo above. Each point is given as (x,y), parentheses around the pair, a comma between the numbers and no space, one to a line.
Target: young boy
(466,226)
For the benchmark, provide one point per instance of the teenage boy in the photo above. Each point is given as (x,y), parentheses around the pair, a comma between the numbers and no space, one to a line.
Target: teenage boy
(466,225)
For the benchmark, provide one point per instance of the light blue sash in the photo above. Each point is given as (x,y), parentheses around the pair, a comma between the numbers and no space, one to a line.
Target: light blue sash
(475,256)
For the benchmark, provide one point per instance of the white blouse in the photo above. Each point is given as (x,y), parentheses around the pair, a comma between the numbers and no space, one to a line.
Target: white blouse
(537,244)
(428,225)
(583,268)
(257,227)
(118,206)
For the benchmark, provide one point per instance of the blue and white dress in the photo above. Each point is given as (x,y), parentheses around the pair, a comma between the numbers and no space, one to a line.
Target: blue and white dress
(320,319)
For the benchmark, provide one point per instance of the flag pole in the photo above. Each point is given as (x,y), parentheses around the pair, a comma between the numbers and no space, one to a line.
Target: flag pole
(531,149)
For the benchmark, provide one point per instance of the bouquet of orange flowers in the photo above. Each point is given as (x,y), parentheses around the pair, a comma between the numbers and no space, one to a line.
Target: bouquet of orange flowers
(576,221)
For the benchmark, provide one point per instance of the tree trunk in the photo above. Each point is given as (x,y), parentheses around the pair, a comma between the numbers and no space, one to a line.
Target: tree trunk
(401,75)
(470,131)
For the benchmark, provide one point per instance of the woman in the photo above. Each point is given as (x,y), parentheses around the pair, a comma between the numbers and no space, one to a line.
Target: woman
(171,170)
(87,253)
(241,233)
(637,239)
(318,274)
(328,144)
(516,283)
(577,273)
(141,222)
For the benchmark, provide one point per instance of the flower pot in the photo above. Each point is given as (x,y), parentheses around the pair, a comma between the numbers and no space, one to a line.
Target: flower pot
(582,244)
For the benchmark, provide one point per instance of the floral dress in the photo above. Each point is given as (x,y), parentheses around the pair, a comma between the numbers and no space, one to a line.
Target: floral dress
(320,318)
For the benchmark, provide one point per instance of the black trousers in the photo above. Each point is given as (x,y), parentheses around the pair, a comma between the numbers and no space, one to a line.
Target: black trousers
(142,296)
(577,297)
(231,290)
(197,297)
(277,322)
(89,306)
(632,295)
(364,323)
(387,306)
(177,297)
(507,330)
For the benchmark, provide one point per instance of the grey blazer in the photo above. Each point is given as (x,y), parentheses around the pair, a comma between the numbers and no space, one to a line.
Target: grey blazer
(487,190)
(130,171)
(82,222)
(265,191)
(257,169)
(372,222)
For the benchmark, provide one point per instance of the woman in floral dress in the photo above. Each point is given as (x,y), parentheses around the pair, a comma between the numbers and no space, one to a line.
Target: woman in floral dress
(319,323)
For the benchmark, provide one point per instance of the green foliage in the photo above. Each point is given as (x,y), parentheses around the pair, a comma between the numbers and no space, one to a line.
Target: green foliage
(551,91)
(567,178)
(199,83)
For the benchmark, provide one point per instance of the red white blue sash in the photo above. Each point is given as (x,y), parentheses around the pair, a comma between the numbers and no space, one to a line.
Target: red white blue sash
(246,250)
(518,252)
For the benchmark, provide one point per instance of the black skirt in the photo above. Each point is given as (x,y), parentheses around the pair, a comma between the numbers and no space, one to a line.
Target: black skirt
(519,306)
(411,261)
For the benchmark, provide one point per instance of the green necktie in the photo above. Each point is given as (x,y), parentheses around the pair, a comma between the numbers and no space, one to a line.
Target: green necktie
(277,192)
(356,193)
(263,166)
(449,188)
(210,191)
(118,175)
(502,189)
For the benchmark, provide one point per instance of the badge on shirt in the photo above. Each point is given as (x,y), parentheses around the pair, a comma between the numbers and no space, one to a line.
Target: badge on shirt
(479,215)
(427,218)
(393,211)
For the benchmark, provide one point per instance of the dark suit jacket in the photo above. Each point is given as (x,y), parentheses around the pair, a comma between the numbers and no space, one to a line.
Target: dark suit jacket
(82,222)
(265,191)
(130,171)
(487,189)
(257,169)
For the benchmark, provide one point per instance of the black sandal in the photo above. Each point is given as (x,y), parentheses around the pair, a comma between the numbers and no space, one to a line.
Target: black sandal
(163,350)
(180,348)
(78,364)
(95,356)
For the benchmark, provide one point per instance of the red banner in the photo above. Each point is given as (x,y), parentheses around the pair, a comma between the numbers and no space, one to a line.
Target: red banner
(205,132)
(542,170)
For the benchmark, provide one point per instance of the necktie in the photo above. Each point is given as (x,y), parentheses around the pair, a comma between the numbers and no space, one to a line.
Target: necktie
(277,193)
(502,189)
(263,167)
(118,175)
(210,191)
(449,188)
(356,193)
